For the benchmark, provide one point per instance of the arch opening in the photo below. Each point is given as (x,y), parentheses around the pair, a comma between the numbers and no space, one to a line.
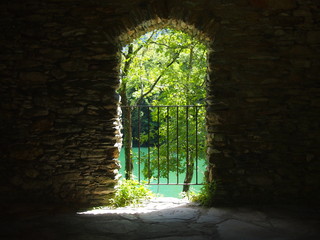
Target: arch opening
(136,95)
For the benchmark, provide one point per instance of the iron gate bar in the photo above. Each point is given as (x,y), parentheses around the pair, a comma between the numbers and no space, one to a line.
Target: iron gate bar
(149,177)
(139,153)
(196,109)
(187,140)
(177,145)
(158,144)
(168,165)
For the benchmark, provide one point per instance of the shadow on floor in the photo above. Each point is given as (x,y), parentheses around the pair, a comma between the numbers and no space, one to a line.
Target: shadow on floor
(162,218)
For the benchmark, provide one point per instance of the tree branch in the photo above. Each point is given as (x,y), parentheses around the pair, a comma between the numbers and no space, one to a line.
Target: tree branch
(131,54)
(177,47)
(189,73)
(158,78)
(127,62)
(143,45)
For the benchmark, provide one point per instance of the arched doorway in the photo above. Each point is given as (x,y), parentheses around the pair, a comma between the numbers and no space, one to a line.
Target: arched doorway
(162,143)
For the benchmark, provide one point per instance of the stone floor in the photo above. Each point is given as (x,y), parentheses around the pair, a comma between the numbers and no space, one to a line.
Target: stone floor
(165,219)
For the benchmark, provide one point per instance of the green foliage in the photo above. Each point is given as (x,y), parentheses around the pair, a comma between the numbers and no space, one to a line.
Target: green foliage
(205,196)
(130,192)
(167,64)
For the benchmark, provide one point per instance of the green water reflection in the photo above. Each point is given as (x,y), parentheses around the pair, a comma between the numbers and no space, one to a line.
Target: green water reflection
(164,190)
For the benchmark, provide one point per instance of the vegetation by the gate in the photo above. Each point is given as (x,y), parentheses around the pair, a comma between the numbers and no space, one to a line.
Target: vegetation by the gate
(203,197)
(130,192)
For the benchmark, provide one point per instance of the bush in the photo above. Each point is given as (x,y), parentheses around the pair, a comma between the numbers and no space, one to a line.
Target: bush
(130,192)
(205,196)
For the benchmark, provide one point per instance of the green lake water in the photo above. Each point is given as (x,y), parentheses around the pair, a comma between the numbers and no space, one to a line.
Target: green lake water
(164,190)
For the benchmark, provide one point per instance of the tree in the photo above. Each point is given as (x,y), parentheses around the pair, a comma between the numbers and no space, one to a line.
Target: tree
(164,67)
(129,54)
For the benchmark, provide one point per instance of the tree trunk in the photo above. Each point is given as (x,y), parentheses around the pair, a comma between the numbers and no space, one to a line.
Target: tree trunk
(188,177)
(127,130)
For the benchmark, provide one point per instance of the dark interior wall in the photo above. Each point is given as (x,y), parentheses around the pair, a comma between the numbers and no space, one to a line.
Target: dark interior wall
(59,106)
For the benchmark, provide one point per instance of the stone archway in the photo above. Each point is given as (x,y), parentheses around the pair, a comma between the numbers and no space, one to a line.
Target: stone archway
(157,23)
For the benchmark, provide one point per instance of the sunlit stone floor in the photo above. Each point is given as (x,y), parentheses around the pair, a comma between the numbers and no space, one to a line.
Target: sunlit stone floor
(165,219)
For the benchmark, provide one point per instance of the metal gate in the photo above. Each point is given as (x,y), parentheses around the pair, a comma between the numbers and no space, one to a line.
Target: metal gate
(169,143)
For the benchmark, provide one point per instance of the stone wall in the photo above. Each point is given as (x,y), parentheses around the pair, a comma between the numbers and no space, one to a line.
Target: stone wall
(59,107)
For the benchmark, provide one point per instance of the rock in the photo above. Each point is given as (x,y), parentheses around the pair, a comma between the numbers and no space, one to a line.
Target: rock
(74,32)
(234,229)
(42,125)
(27,153)
(71,110)
(260,180)
(58,74)
(74,66)
(113,226)
(313,37)
(32,173)
(274,4)
(169,215)
(31,78)
(281,5)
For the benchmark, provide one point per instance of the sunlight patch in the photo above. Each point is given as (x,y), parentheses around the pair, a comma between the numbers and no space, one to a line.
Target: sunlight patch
(155,204)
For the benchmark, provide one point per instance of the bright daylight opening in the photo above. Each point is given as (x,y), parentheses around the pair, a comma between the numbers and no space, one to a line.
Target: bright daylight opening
(163,77)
